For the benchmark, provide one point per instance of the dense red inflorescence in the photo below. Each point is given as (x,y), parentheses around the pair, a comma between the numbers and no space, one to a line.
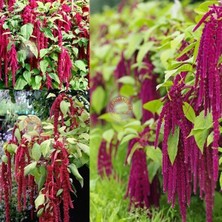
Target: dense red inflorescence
(105,167)
(208,74)
(26,188)
(138,189)
(13,62)
(139,186)
(148,82)
(57,178)
(176,176)
(122,69)
(191,168)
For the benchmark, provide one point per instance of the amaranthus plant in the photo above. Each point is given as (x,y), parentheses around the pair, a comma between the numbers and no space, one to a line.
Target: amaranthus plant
(169,70)
(44,44)
(43,155)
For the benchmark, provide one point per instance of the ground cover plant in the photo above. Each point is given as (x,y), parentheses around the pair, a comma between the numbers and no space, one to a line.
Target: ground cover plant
(166,63)
(44,44)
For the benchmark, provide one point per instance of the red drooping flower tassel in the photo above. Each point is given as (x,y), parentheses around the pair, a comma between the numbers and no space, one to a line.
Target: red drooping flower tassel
(11,5)
(138,186)
(65,66)
(122,69)
(208,79)
(148,81)
(5,185)
(104,160)
(22,159)
(13,62)
(58,178)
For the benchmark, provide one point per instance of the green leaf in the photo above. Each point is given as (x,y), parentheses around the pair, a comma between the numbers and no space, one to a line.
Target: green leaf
(27,30)
(143,51)
(18,135)
(20,84)
(203,122)
(84,148)
(29,168)
(55,77)
(11,148)
(127,90)
(80,65)
(127,138)
(4,159)
(36,152)
(43,52)
(40,212)
(134,40)
(127,80)
(42,178)
(98,99)
(45,147)
(196,50)
(137,109)
(39,200)
(44,65)
(204,7)
(108,135)
(176,42)
(32,47)
(155,154)
(210,138)
(38,82)
(172,144)
(21,56)
(76,173)
(48,33)
(59,192)
(220,181)
(200,137)
(64,107)
(110,117)
(153,167)
(153,106)
(27,76)
(189,112)
(50,95)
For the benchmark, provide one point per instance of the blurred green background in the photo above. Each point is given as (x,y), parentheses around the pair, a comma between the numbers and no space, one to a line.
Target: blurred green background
(98,5)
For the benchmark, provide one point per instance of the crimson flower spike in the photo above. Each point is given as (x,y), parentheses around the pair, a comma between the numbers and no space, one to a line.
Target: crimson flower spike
(104,160)
(13,62)
(208,78)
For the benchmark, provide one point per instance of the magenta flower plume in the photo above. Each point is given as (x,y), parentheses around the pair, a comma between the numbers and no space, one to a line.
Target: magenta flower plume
(13,62)
(64,67)
(105,167)
(28,14)
(96,81)
(122,69)
(57,178)
(138,186)
(208,78)
(148,90)
(11,4)
(1,4)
